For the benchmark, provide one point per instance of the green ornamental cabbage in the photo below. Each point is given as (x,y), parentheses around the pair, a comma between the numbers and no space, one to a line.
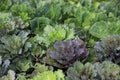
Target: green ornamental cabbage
(50,75)
(54,33)
(24,10)
(9,24)
(104,28)
(12,44)
(99,29)
(5,4)
(97,71)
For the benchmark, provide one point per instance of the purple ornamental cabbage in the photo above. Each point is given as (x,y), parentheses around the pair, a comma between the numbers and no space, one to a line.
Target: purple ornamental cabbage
(69,51)
(109,49)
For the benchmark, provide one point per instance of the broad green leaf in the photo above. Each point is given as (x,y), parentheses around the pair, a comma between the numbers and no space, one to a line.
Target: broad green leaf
(38,24)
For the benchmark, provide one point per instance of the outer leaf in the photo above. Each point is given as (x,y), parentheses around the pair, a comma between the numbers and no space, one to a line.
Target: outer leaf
(38,24)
